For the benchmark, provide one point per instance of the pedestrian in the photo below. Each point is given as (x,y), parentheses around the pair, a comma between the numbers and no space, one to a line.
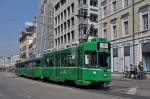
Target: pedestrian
(135,72)
(141,70)
(141,66)
(131,70)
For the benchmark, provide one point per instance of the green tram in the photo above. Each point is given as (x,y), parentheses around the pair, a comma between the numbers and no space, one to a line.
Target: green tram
(87,63)
(30,68)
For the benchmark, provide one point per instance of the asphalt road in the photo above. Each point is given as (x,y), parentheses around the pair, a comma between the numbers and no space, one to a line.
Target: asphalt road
(13,87)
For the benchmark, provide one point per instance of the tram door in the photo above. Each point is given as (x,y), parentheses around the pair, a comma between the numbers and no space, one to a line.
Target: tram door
(116,61)
(127,63)
(57,63)
(127,58)
(146,59)
(146,55)
(116,64)
(80,59)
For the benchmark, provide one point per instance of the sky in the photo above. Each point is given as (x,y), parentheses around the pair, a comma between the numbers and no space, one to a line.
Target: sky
(13,15)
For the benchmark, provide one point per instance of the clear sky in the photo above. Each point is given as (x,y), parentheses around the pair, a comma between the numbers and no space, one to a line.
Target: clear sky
(13,15)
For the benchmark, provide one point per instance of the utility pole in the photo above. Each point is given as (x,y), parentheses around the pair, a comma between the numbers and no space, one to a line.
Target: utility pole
(133,21)
(34,36)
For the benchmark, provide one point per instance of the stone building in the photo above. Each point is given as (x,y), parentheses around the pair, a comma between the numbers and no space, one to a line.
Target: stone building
(126,24)
(26,43)
(72,19)
(45,26)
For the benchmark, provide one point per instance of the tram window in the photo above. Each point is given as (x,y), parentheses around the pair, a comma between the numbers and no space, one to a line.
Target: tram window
(25,65)
(50,62)
(90,59)
(17,65)
(46,62)
(37,63)
(34,64)
(103,59)
(72,58)
(21,65)
(67,59)
(30,65)
(63,61)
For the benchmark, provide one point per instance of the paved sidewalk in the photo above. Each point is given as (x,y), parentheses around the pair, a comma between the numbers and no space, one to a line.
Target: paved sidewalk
(116,76)
(119,76)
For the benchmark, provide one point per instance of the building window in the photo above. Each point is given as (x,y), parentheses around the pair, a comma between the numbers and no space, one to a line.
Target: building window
(59,29)
(84,2)
(62,28)
(62,2)
(104,11)
(105,33)
(58,18)
(105,30)
(61,39)
(62,16)
(115,52)
(93,17)
(144,17)
(126,50)
(114,28)
(125,3)
(114,5)
(65,25)
(145,21)
(65,14)
(65,39)
(125,24)
(94,32)
(126,30)
(56,42)
(72,7)
(56,31)
(57,6)
(114,31)
(68,9)
(68,22)
(68,37)
(72,33)
(72,21)
(94,3)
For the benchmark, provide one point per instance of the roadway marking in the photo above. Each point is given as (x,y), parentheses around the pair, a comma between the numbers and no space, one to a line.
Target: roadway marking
(132,90)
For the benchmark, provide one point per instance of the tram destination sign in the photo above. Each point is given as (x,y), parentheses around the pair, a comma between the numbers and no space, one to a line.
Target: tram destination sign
(103,45)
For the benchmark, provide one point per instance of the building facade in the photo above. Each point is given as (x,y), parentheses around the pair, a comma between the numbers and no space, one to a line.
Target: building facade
(72,19)
(27,43)
(5,62)
(8,62)
(45,26)
(126,24)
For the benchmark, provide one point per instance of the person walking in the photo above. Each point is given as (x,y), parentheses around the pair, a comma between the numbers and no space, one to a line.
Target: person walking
(141,70)
(131,70)
(141,66)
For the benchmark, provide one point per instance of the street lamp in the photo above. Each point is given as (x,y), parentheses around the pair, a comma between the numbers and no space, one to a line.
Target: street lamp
(133,34)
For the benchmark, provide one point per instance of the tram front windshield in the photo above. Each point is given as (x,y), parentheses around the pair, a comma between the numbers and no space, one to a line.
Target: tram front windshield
(103,59)
(90,59)
(94,59)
